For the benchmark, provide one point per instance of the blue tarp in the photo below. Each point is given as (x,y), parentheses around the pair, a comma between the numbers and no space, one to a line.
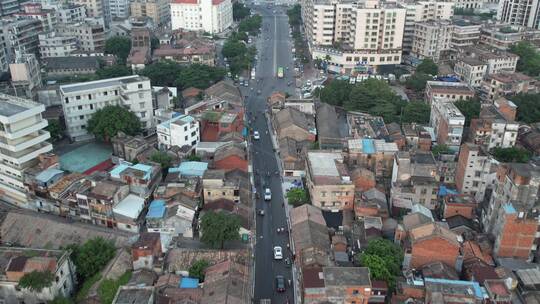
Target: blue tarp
(367,146)
(156,209)
(443,191)
(187,282)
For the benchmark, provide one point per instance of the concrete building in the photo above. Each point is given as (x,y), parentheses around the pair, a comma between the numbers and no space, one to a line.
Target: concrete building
(10,7)
(25,75)
(519,12)
(475,171)
(35,11)
(94,8)
(432,39)
(119,8)
(91,35)
(469,4)
(17,262)
(69,12)
(22,140)
(503,84)
(81,100)
(471,71)
(447,122)
(449,91)
(414,180)
(157,10)
(51,44)
(496,60)
(182,130)
(422,11)
(212,16)
(370,33)
(20,35)
(493,129)
(465,33)
(329,182)
(502,36)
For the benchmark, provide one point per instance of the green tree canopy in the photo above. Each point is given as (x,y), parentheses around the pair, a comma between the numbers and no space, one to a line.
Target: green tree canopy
(470,108)
(528,110)
(336,92)
(198,268)
(240,11)
(108,121)
(233,48)
(416,111)
(162,158)
(297,197)
(199,76)
(295,15)
(511,155)
(417,82)
(107,288)
(162,73)
(251,25)
(117,70)
(428,66)
(529,58)
(118,46)
(92,256)
(55,128)
(219,227)
(383,258)
(440,149)
(36,280)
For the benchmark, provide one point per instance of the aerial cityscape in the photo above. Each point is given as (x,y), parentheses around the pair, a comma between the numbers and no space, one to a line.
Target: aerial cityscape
(269,151)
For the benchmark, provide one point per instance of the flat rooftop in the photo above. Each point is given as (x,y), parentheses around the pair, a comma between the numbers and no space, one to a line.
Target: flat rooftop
(450,87)
(324,163)
(346,276)
(85,157)
(11,105)
(92,85)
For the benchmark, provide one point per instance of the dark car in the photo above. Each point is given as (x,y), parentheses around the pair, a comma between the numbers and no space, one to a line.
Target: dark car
(280,283)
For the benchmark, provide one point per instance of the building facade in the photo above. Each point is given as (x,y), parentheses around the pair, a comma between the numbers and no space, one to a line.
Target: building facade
(519,12)
(432,39)
(52,44)
(182,130)
(157,10)
(81,100)
(447,122)
(212,16)
(474,172)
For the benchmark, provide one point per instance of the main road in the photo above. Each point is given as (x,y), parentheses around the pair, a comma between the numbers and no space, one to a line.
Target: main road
(274,50)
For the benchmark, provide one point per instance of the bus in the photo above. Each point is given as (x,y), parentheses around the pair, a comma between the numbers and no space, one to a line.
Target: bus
(280,72)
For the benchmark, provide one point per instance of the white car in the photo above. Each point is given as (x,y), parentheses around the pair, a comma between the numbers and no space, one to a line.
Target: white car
(278,253)
(267,194)
(256,135)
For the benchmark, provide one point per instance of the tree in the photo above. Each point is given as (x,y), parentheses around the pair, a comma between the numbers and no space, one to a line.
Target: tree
(193,157)
(117,70)
(154,43)
(199,76)
(297,197)
(240,11)
(470,108)
(529,58)
(107,288)
(61,300)
(162,158)
(511,155)
(197,269)
(295,15)
(417,82)
(377,268)
(528,110)
(110,120)
(416,111)
(377,98)
(428,66)
(251,25)
(233,48)
(440,149)
(92,256)
(336,92)
(383,258)
(55,129)
(118,46)
(162,73)
(36,280)
(219,227)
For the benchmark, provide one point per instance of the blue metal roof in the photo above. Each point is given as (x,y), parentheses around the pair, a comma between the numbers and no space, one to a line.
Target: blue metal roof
(192,168)
(46,175)
(475,286)
(509,208)
(187,282)
(367,146)
(156,209)
(115,172)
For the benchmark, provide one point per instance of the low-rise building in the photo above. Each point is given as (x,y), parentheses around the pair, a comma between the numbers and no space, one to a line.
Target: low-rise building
(293,155)
(81,100)
(294,124)
(329,182)
(375,154)
(492,129)
(71,66)
(450,91)
(475,171)
(127,212)
(216,186)
(142,179)
(447,122)
(504,84)
(310,236)
(52,44)
(465,33)
(414,180)
(502,36)
(231,156)
(471,71)
(188,51)
(146,250)
(496,60)
(515,233)
(180,131)
(16,263)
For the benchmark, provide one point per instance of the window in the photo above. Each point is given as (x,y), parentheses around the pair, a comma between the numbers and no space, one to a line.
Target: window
(185,137)
(139,85)
(66,100)
(91,107)
(78,97)
(81,116)
(79,107)
(143,114)
(90,96)
(106,93)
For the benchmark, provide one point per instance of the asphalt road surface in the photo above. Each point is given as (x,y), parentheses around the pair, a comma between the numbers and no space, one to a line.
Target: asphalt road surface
(274,50)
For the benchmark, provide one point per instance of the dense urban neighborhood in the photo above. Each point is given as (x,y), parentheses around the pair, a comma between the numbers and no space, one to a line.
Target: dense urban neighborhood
(248,151)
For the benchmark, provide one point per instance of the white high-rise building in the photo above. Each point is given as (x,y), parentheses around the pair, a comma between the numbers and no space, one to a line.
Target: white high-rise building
(369,34)
(520,12)
(212,16)
(81,100)
(119,8)
(22,139)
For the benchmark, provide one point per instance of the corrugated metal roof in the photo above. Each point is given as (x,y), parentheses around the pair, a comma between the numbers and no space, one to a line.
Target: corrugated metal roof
(156,209)
(46,175)
(131,206)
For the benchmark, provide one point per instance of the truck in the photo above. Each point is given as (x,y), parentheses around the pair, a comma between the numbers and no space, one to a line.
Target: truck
(280,72)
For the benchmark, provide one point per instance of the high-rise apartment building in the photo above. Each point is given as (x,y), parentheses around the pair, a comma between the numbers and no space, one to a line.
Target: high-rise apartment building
(22,139)
(119,8)
(81,100)
(432,39)
(157,10)
(52,44)
(91,35)
(520,12)
(20,35)
(212,16)
(10,7)
(369,34)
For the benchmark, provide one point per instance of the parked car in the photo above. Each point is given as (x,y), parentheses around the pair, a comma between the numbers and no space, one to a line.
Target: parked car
(256,135)
(280,283)
(267,194)
(278,253)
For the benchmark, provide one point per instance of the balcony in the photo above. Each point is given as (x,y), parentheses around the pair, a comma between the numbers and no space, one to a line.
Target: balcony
(24,132)
(28,154)
(24,142)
